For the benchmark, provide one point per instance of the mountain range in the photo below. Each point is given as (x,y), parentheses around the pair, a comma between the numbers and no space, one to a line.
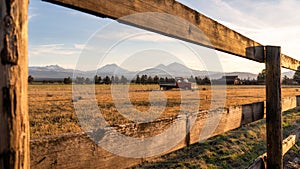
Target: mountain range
(174,69)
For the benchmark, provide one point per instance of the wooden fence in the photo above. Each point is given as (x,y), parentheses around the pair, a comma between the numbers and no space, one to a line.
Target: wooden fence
(14,128)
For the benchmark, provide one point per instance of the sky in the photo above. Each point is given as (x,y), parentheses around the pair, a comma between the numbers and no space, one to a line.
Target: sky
(72,39)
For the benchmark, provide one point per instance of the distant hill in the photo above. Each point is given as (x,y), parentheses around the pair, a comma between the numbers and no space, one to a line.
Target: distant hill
(177,69)
(111,70)
(52,72)
(174,69)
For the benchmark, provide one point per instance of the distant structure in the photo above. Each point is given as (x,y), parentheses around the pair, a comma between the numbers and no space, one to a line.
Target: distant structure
(230,80)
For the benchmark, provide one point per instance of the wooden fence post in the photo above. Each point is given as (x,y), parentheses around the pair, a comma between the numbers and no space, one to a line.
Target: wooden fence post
(14,121)
(273,96)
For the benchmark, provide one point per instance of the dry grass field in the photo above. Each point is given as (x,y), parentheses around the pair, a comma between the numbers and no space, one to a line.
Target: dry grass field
(52,110)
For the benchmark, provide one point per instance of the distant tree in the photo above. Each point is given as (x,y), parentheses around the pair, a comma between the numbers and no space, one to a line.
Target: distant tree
(206,81)
(97,79)
(296,76)
(112,79)
(149,80)
(138,80)
(100,79)
(198,80)
(162,80)
(87,81)
(115,79)
(144,79)
(166,79)
(79,80)
(191,79)
(156,79)
(123,80)
(261,77)
(107,80)
(285,80)
(67,80)
(30,79)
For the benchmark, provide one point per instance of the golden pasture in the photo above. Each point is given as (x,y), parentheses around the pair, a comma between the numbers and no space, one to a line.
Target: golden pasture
(51,107)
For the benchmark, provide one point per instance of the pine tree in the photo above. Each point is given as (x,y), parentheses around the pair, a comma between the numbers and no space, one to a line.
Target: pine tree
(30,79)
(285,80)
(107,80)
(87,80)
(97,79)
(261,78)
(296,76)
(144,79)
(156,79)
(124,80)
(138,80)
(67,80)
(206,81)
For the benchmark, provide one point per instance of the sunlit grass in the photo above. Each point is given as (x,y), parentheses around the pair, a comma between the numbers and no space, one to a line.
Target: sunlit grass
(234,149)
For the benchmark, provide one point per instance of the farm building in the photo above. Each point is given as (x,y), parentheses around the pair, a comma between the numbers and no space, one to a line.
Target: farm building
(230,80)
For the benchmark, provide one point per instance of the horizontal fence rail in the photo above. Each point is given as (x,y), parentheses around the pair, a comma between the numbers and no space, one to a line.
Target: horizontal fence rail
(77,150)
(212,34)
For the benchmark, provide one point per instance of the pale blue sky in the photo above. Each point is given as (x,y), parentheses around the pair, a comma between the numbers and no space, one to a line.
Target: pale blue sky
(58,35)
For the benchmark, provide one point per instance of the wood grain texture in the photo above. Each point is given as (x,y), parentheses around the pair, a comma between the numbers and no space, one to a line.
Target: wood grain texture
(288,103)
(289,63)
(274,108)
(14,121)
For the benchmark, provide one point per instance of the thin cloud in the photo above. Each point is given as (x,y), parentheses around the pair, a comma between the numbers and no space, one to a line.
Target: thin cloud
(30,16)
(79,46)
(272,13)
(268,22)
(32,13)
(51,49)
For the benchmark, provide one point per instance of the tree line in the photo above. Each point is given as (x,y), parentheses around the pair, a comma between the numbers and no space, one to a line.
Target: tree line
(261,78)
(145,79)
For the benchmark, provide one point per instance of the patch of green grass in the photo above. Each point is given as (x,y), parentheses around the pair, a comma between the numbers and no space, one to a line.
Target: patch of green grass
(234,149)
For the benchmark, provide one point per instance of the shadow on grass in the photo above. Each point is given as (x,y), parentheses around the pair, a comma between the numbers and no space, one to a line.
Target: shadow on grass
(234,149)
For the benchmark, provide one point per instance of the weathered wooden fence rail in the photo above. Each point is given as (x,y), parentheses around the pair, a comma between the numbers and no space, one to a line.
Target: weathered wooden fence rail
(212,34)
(14,147)
(77,150)
(287,144)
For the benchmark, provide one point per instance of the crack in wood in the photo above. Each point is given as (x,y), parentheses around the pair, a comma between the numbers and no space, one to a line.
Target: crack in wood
(6,101)
(9,53)
(41,160)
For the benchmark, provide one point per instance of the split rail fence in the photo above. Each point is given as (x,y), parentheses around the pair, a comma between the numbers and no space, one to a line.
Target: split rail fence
(76,150)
